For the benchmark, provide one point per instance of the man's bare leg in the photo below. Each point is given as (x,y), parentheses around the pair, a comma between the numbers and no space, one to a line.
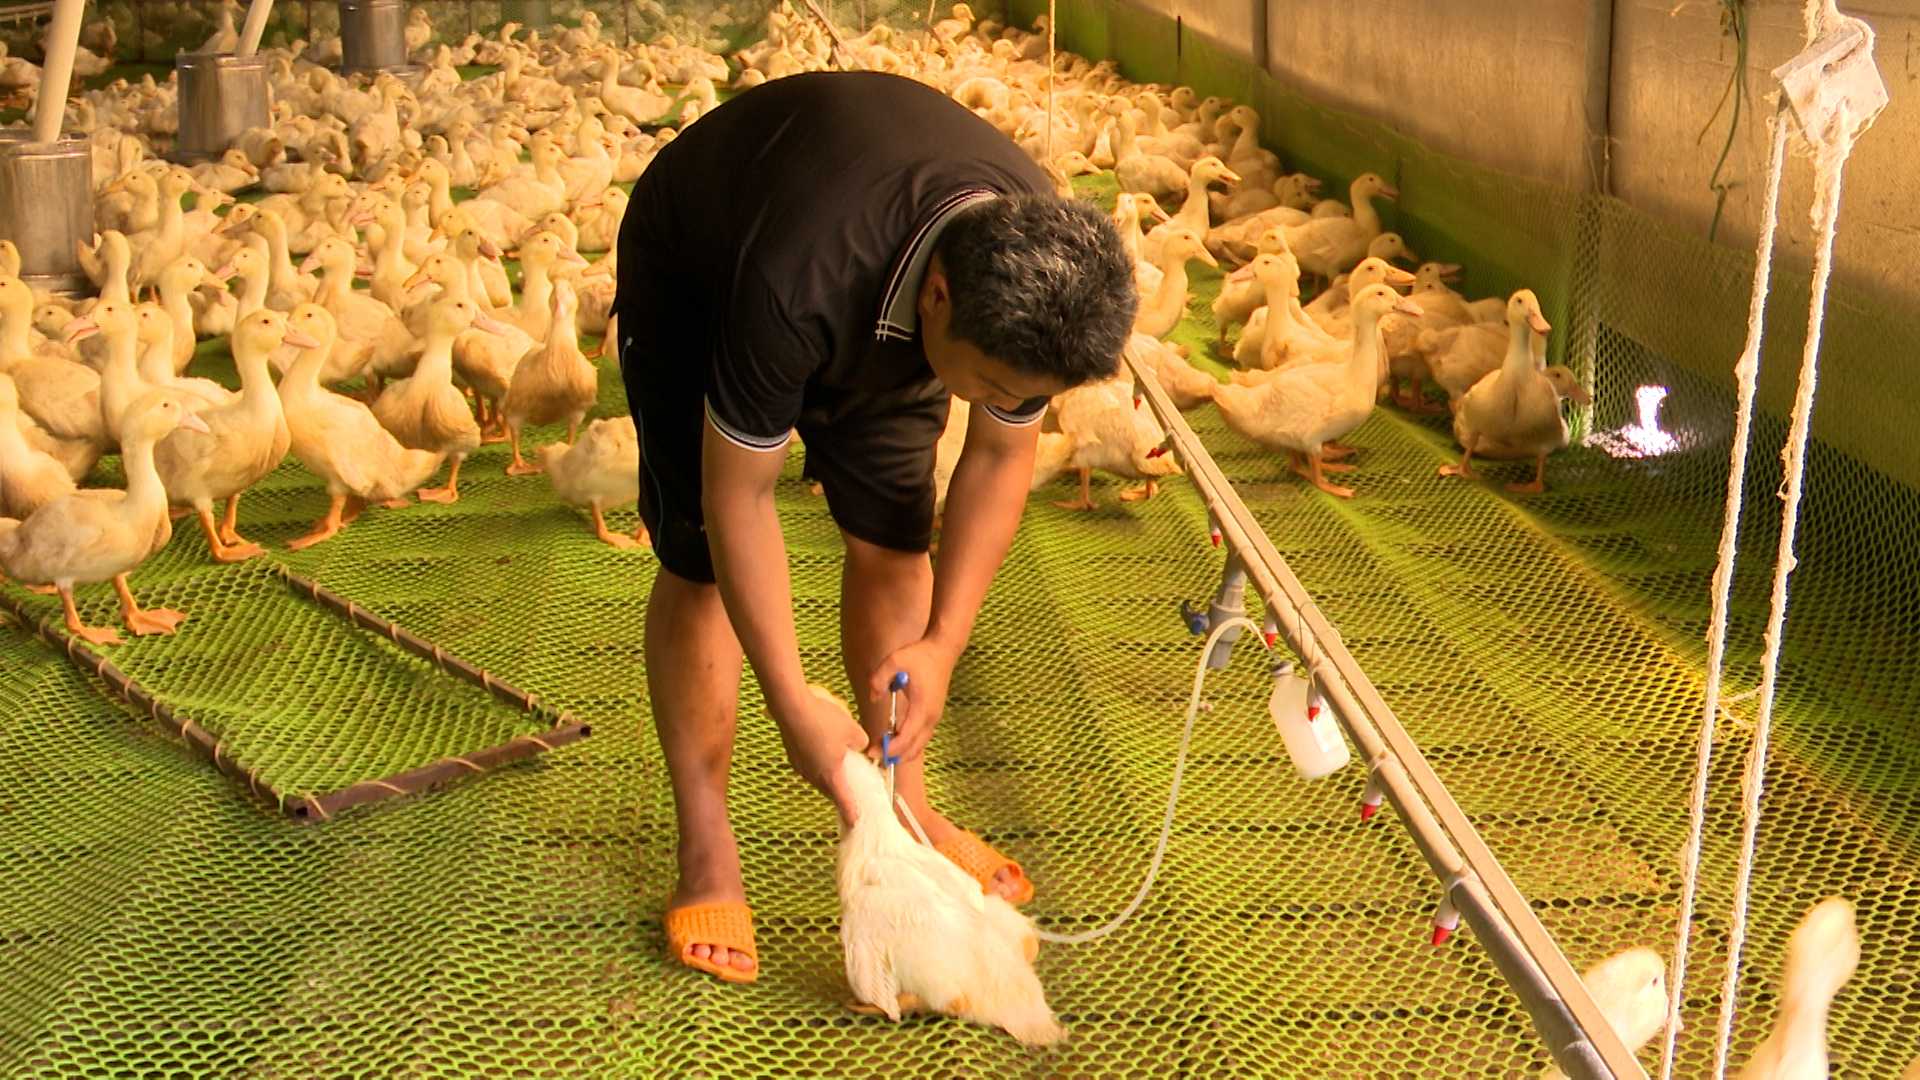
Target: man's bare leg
(886,598)
(693,680)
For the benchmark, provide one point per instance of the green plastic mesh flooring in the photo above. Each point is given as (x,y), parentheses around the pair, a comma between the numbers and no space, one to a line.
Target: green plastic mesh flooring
(1545,652)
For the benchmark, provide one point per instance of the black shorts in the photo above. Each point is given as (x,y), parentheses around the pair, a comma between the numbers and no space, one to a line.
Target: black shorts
(872,452)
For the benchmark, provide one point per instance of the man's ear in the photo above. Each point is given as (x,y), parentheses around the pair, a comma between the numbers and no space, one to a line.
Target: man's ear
(935,289)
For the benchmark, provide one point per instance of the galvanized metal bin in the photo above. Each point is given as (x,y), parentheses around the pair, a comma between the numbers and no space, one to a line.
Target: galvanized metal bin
(46,207)
(221,95)
(373,36)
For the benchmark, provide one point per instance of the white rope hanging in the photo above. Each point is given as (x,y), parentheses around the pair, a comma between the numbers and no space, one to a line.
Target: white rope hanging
(1052,75)
(1747,371)
(1831,112)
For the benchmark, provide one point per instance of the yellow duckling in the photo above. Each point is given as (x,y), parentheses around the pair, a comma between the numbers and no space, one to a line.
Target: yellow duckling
(484,362)
(339,440)
(1631,990)
(1160,314)
(1821,956)
(600,471)
(106,264)
(29,478)
(371,335)
(1332,245)
(1188,386)
(95,534)
(1444,308)
(242,441)
(155,332)
(425,411)
(1112,432)
(61,396)
(1301,409)
(539,254)
(1458,357)
(1287,335)
(176,282)
(1243,293)
(1514,412)
(555,383)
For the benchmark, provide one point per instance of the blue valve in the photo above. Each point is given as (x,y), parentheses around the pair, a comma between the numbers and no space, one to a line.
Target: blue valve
(887,756)
(1195,619)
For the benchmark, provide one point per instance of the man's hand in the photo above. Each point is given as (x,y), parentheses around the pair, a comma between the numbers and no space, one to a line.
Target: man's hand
(817,731)
(929,667)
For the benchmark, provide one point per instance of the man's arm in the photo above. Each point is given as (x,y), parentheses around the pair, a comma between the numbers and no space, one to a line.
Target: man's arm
(984,504)
(750,565)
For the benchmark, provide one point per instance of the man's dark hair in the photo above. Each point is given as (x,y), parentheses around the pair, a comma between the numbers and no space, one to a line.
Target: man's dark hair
(1041,284)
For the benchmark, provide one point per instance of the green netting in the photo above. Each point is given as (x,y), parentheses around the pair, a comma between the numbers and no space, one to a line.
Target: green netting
(158,920)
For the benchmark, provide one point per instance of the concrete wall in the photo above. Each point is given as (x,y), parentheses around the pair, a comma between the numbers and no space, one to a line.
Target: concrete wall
(1229,24)
(1504,83)
(1497,82)
(1669,68)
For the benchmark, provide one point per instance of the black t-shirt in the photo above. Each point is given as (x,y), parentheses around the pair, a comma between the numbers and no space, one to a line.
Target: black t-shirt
(799,216)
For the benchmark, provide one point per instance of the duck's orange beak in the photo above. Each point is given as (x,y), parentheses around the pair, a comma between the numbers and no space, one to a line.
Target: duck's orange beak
(301,341)
(79,328)
(1539,323)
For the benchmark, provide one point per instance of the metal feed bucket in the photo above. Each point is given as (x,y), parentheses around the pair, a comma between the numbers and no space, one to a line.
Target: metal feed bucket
(46,207)
(221,95)
(373,37)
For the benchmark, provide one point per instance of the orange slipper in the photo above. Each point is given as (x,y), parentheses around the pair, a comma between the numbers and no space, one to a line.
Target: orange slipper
(727,923)
(981,862)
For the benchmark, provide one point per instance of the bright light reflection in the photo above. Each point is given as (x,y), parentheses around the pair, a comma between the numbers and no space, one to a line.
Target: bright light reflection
(1643,438)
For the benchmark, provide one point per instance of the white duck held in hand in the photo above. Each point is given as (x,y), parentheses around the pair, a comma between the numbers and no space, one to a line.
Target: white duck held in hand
(96,535)
(918,932)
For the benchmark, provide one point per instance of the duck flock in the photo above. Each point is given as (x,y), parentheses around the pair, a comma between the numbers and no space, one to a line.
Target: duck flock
(423,191)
